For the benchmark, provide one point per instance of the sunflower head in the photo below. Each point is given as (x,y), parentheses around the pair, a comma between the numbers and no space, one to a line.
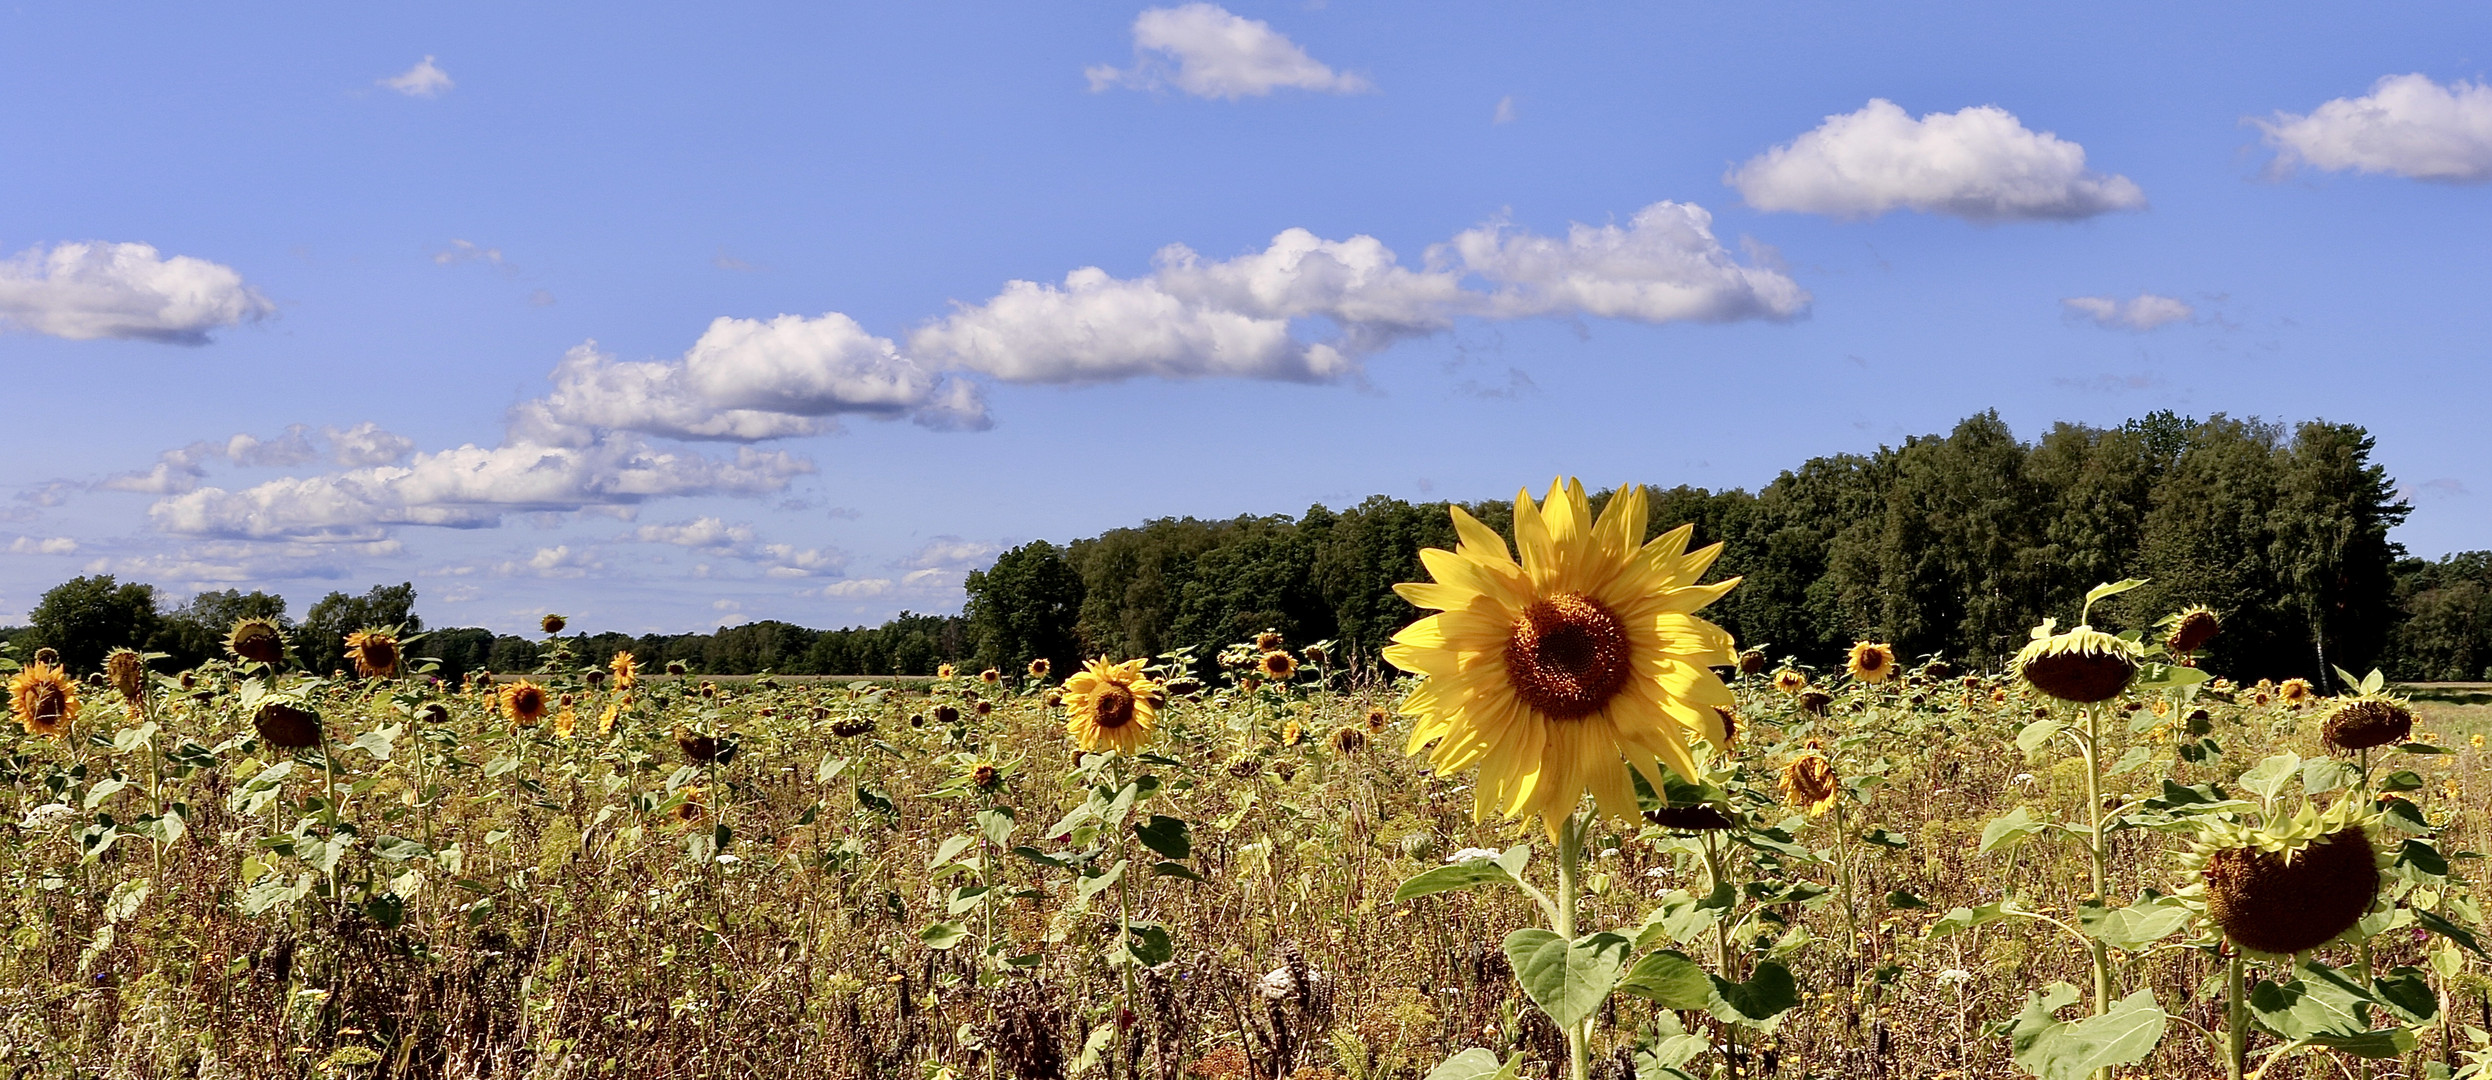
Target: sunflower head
(1315,654)
(1292,733)
(2295,692)
(1376,719)
(1557,671)
(1815,702)
(1808,781)
(1277,666)
(851,726)
(257,639)
(566,718)
(946,714)
(1267,641)
(48,655)
(525,703)
(2083,665)
(1350,739)
(1040,667)
(704,749)
(286,722)
(552,623)
(626,669)
(2191,630)
(985,776)
(1790,681)
(1870,661)
(691,808)
(45,700)
(990,676)
(2361,723)
(375,653)
(2290,888)
(675,667)
(127,671)
(1752,662)
(1111,706)
(943,671)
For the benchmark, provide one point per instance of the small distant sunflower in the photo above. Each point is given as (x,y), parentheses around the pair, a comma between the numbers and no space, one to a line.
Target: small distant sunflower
(1349,740)
(1277,666)
(1752,662)
(2287,888)
(126,670)
(1293,733)
(704,749)
(626,669)
(552,624)
(566,718)
(2083,665)
(2364,722)
(45,700)
(990,676)
(614,711)
(1870,661)
(1556,673)
(691,807)
(943,671)
(287,722)
(1815,702)
(985,776)
(524,702)
(1315,654)
(1040,667)
(1808,780)
(1376,719)
(1267,641)
(375,653)
(2294,692)
(257,639)
(1790,681)
(2191,630)
(1112,706)
(946,714)
(676,667)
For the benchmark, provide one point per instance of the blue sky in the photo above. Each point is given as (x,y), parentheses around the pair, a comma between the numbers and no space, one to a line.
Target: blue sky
(303,298)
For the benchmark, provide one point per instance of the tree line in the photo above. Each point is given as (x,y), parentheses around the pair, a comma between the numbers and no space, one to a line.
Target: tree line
(1948,545)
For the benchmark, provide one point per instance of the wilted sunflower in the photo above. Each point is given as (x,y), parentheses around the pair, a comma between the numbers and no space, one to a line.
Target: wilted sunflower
(524,702)
(1112,706)
(126,670)
(1790,681)
(1267,641)
(375,653)
(1349,740)
(946,714)
(2364,722)
(286,722)
(1808,780)
(1752,662)
(1277,666)
(257,639)
(1040,667)
(1870,661)
(675,667)
(692,807)
(2294,692)
(2083,666)
(2191,630)
(626,669)
(552,624)
(45,700)
(2290,888)
(1376,719)
(1546,672)
(704,749)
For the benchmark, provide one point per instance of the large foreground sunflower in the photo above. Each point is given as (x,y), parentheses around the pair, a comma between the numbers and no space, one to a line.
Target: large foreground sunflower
(1111,706)
(1547,672)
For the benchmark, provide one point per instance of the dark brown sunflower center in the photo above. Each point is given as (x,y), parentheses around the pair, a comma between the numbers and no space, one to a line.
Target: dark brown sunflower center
(1112,707)
(1567,656)
(49,704)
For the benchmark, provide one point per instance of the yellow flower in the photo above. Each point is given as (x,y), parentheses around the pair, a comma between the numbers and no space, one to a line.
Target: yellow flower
(626,669)
(375,653)
(1789,681)
(614,708)
(1112,706)
(2476,741)
(566,719)
(2294,691)
(1277,666)
(1870,661)
(1545,673)
(1808,781)
(943,671)
(524,701)
(45,700)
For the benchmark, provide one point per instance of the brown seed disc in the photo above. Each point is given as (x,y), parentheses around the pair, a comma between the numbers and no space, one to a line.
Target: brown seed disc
(2272,904)
(1567,656)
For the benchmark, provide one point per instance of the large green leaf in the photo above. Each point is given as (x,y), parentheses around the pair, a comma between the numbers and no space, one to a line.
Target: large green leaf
(2004,833)
(1670,980)
(1476,1064)
(1167,835)
(2267,778)
(2132,928)
(1568,980)
(2056,1049)
(1505,869)
(1965,918)
(1767,994)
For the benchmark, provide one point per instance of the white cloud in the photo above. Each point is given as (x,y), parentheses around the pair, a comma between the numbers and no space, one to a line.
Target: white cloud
(473,486)
(83,291)
(852,588)
(425,79)
(365,444)
(2144,312)
(225,562)
(1247,317)
(1203,50)
(2406,126)
(1505,111)
(55,545)
(699,533)
(463,251)
(180,470)
(1978,163)
(559,561)
(952,552)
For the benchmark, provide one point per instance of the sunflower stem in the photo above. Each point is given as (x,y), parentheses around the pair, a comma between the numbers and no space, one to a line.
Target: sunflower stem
(2236,1020)
(2095,851)
(1570,852)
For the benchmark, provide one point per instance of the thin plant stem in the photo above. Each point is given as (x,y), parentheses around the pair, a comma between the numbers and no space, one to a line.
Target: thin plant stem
(2236,1018)
(1570,852)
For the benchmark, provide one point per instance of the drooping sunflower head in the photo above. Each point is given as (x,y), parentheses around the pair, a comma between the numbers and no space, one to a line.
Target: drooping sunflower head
(626,669)
(1267,641)
(375,653)
(2290,888)
(1277,666)
(691,807)
(127,671)
(1790,681)
(1752,662)
(257,639)
(286,722)
(2083,665)
(525,703)
(2361,723)
(1350,739)
(2294,692)
(44,699)
(676,667)
(1870,661)
(1111,706)
(2192,629)
(1808,781)
(1040,667)
(704,749)
(552,623)
(1557,671)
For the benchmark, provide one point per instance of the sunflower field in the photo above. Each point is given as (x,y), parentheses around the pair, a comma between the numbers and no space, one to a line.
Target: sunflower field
(1582,832)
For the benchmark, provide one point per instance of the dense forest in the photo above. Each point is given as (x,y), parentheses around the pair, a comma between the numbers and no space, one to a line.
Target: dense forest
(1947,545)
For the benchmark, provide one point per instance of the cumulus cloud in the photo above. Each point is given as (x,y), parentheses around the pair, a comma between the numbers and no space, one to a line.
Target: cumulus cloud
(52,545)
(700,533)
(2406,126)
(1249,316)
(226,562)
(716,536)
(473,486)
(1203,50)
(559,561)
(182,469)
(425,79)
(83,291)
(1979,163)
(2145,311)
